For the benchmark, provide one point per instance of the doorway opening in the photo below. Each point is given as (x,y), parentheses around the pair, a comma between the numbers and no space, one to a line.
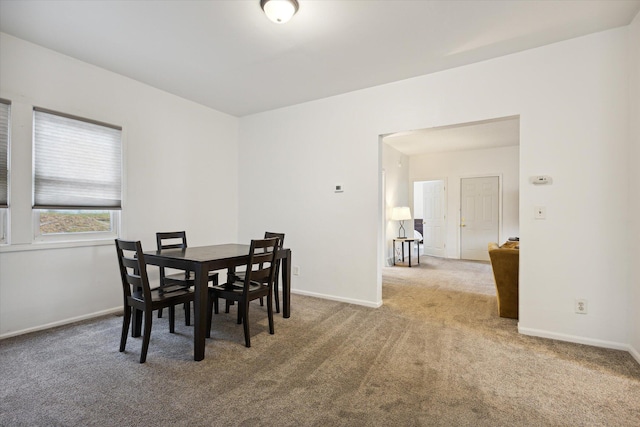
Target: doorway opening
(452,155)
(430,216)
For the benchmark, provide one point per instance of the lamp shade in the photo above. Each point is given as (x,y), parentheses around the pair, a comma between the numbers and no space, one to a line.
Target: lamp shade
(279,11)
(401,213)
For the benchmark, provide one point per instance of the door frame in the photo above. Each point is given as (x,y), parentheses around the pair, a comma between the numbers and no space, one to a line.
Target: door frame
(459,214)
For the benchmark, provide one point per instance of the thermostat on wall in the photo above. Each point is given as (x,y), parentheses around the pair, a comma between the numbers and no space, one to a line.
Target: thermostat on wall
(339,188)
(541,179)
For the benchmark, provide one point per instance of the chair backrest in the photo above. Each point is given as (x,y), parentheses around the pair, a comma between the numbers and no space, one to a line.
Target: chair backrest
(261,265)
(280,236)
(133,270)
(171,240)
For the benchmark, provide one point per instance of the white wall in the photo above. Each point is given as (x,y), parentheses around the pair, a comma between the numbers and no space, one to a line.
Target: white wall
(452,166)
(180,172)
(418,194)
(396,169)
(572,99)
(634,190)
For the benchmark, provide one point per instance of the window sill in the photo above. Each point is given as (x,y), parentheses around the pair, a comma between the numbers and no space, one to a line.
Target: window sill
(42,246)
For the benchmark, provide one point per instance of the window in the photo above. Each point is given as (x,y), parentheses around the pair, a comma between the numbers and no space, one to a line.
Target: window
(77,177)
(5,107)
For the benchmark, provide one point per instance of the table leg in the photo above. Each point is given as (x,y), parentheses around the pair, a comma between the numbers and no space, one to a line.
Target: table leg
(136,328)
(136,317)
(286,286)
(200,311)
(394,251)
(409,250)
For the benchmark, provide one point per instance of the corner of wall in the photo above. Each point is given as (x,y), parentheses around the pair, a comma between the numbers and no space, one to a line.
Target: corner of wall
(396,191)
(634,185)
(634,353)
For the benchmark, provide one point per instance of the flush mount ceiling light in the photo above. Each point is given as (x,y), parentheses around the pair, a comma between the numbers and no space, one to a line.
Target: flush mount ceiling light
(279,11)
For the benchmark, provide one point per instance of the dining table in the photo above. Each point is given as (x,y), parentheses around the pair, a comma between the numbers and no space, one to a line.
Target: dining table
(201,260)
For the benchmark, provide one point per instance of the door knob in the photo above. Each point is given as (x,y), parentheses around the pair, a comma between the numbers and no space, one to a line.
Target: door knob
(462,225)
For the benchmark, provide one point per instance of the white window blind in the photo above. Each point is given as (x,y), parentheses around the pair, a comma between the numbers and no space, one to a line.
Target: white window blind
(4,150)
(77,162)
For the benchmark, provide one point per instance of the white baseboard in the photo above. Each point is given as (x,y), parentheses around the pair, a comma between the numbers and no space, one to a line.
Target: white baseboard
(119,309)
(575,339)
(61,323)
(339,299)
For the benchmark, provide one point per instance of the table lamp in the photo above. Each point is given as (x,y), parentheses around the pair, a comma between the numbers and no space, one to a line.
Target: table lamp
(401,214)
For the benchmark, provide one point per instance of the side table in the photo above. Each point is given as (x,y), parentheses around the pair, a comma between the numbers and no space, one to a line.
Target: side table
(402,241)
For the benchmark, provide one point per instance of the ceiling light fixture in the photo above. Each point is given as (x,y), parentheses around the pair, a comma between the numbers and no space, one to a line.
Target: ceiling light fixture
(279,11)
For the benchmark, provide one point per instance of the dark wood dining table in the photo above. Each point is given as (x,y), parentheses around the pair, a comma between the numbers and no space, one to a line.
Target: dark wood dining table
(202,260)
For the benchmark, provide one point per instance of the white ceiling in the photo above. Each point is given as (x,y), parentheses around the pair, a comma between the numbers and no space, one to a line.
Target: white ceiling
(502,132)
(229,56)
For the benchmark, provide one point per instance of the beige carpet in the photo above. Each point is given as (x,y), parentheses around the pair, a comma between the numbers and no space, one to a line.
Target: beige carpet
(435,354)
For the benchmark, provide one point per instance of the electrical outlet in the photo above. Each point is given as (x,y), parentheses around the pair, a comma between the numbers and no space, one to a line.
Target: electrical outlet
(581,306)
(296,270)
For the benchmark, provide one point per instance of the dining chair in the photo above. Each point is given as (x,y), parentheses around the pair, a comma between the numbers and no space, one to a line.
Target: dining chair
(257,283)
(239,276)
(138,295)
(185,279)
(276,282)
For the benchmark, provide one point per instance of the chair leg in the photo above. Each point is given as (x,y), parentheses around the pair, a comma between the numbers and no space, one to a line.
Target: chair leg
(126,320)
(227,305)
(209,313)
(240,310)
(245,319)
(172,319)
(261,302)
(187,314)
(215,304)
(270,313)
(148,315)
(159,313)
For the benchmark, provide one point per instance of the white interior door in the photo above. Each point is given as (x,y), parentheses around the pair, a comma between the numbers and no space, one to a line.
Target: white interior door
(433,224)
(479,216)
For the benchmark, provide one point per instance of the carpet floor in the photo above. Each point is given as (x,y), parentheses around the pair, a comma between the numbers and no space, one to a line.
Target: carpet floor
(435,354)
